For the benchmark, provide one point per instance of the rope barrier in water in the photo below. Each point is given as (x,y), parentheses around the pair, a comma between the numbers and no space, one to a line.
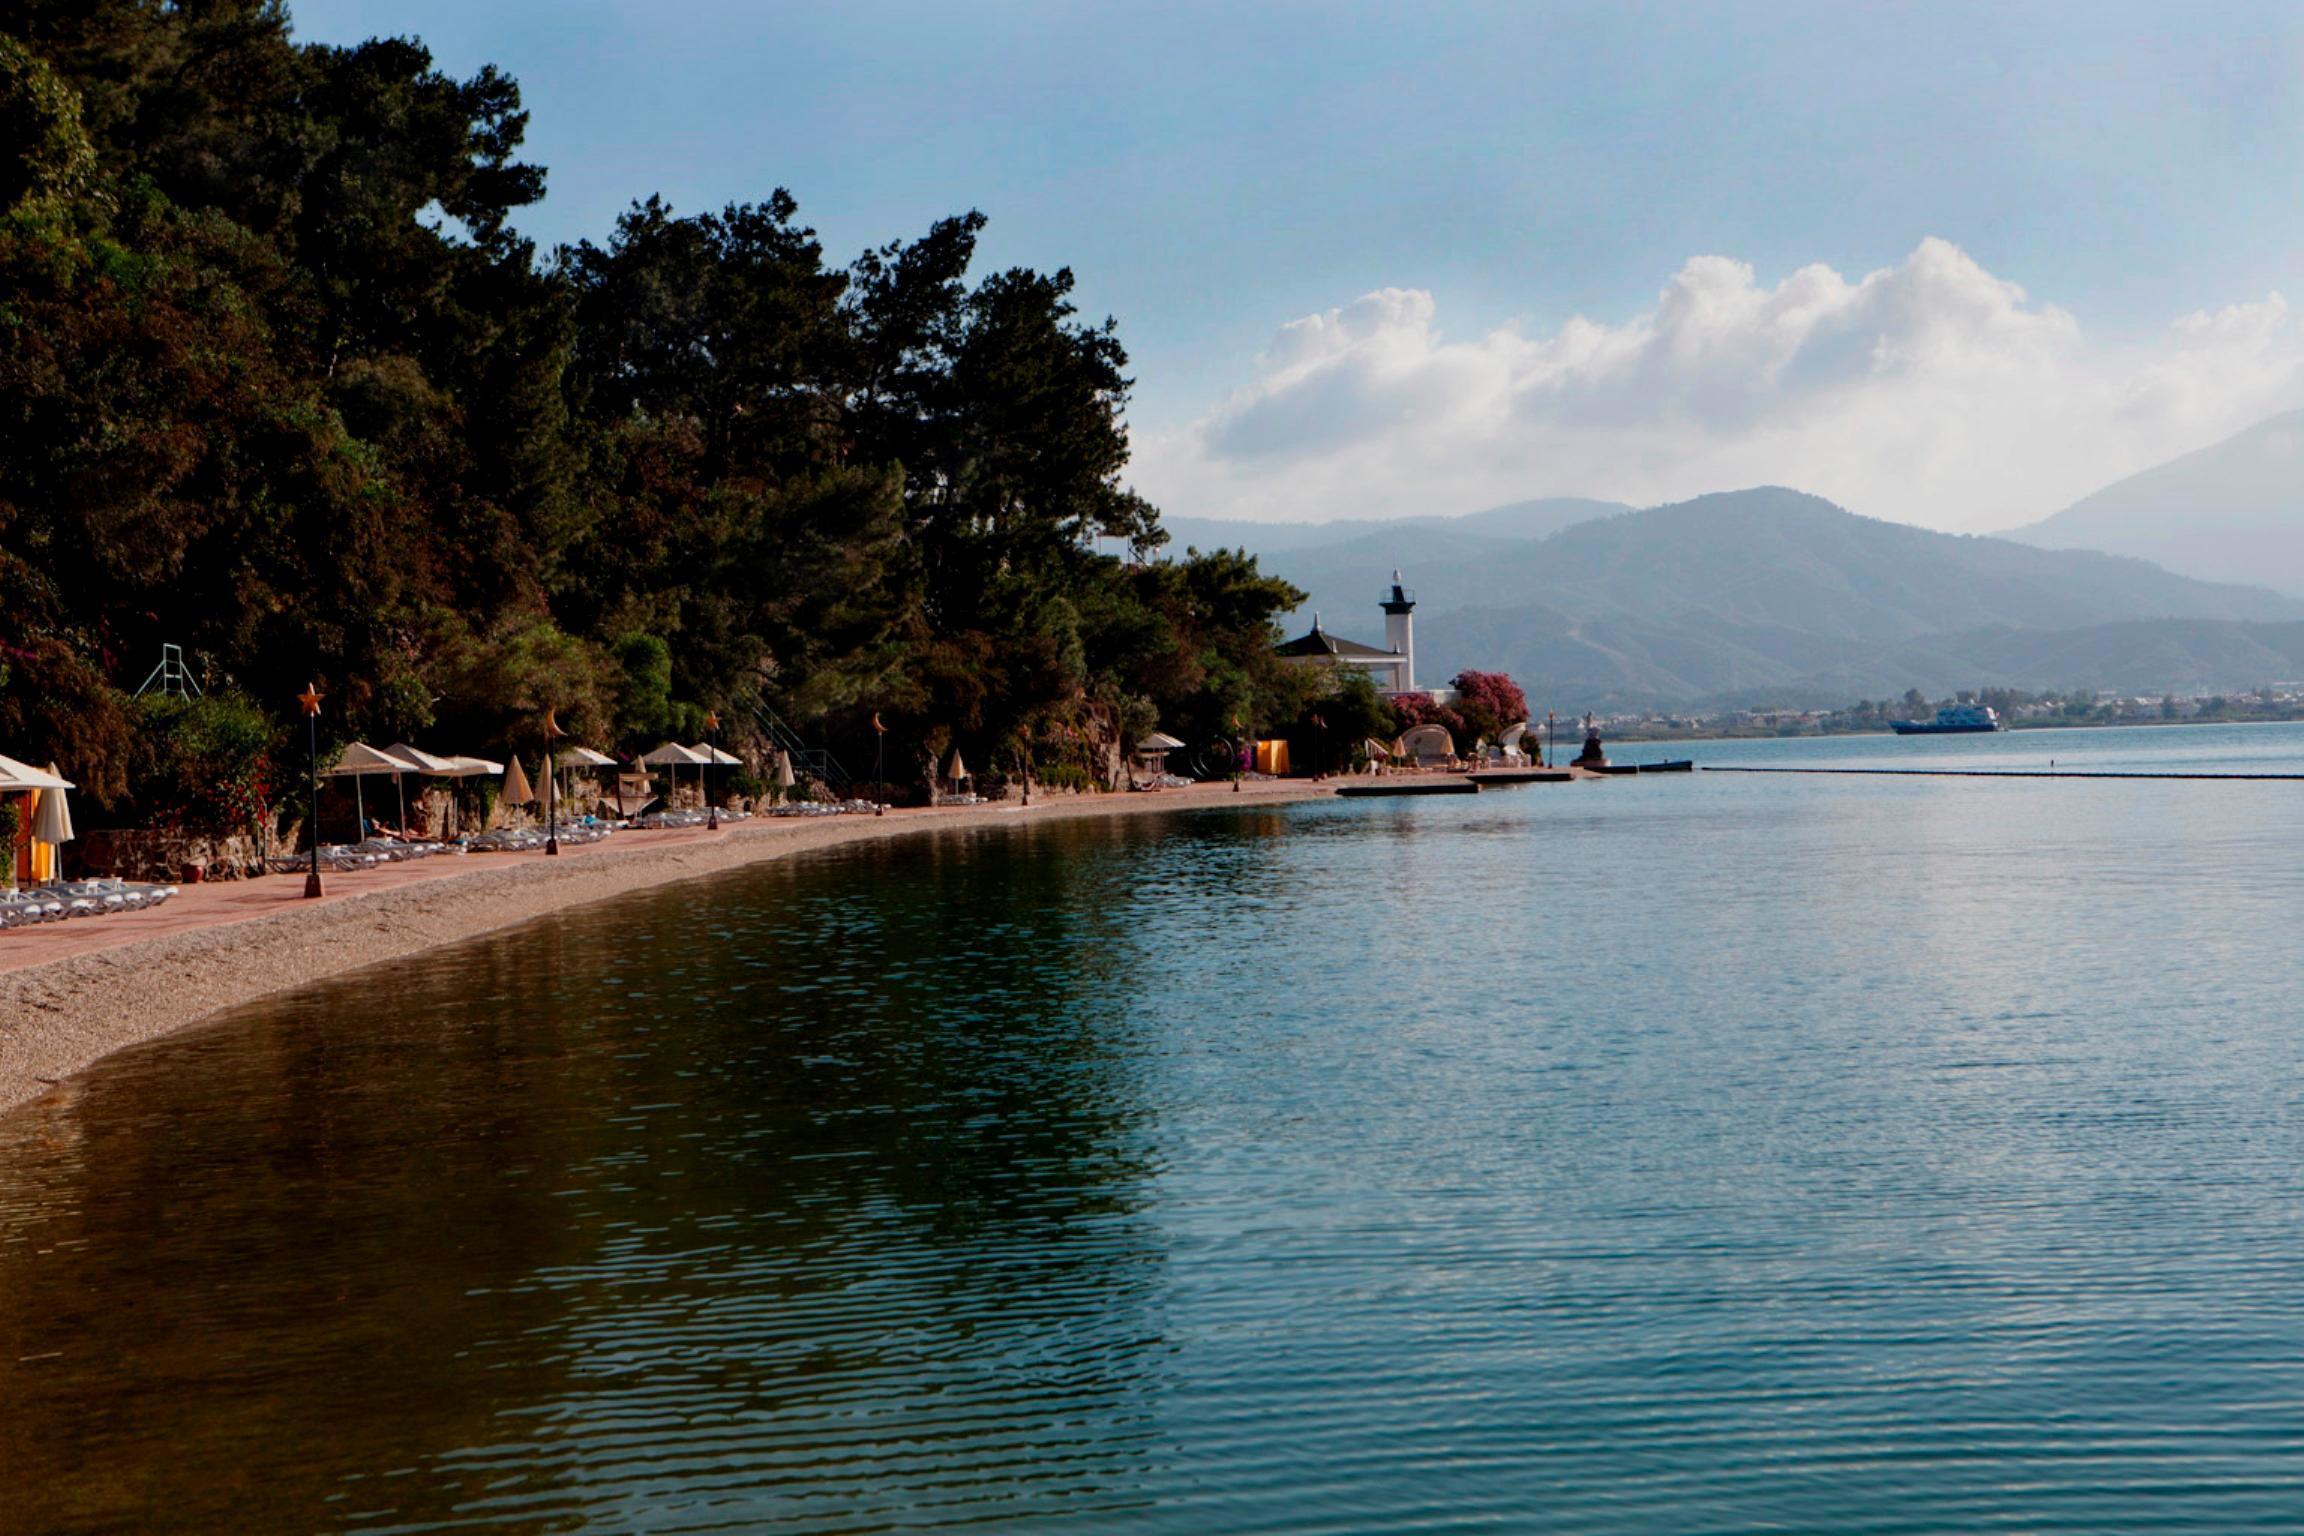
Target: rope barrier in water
(2014,773)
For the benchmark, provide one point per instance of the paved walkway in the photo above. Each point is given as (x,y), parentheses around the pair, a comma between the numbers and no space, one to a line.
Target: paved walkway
(239,901)
(200,907)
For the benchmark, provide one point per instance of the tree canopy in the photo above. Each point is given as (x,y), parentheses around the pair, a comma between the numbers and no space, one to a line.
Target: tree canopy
(281,382)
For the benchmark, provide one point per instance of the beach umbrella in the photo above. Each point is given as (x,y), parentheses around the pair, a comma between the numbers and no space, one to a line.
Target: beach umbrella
(516,787)
(52,818)
(958,770)
(52,821)
(670,756)
(358,761)
(419,762)
(461,768)
(19,776)
(583,757)
(714,757)
(784,775)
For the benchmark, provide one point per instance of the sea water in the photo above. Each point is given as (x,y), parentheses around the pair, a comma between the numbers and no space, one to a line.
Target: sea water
(1717,1153)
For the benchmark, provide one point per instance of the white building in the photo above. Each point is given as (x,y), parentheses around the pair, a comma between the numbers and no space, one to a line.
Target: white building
(1393,667)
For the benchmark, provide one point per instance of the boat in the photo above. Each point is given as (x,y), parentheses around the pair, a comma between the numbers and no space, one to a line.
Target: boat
(1613,770)
(1675,765)
(1523,776)
(1952,720)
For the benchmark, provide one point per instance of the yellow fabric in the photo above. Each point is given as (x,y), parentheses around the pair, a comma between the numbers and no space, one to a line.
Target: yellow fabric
(43,854)
(1272,757)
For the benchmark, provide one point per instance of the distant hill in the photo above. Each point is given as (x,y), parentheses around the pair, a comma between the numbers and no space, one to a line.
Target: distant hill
(1768,596)
(1518,520)
(1637,664)
(1778,558)
(2231,512)
(1773,594)
(1344,564)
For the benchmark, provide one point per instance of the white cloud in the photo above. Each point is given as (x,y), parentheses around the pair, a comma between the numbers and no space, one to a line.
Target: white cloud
(1931,392)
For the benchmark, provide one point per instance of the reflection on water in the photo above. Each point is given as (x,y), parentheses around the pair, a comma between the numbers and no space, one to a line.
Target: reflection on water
(1705,1155)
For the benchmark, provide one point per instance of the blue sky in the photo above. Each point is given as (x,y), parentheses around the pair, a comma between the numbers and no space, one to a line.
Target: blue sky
(1215,173)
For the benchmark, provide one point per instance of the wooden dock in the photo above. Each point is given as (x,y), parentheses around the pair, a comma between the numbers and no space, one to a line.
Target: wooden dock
(1380,790)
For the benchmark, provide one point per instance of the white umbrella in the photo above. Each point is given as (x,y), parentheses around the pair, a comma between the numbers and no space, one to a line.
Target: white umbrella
(419,762)
(583,757)
(360,760)
(463,768)
(714,757)
(785,778)
(16,775)
(671,755)
(52,818)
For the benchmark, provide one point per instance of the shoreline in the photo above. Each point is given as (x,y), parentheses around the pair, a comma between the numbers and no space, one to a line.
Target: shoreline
(102,985)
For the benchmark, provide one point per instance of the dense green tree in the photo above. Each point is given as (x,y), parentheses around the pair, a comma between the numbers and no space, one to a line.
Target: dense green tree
(280,382)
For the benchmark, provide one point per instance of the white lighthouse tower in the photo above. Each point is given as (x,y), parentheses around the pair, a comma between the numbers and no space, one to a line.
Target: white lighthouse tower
(1400,634)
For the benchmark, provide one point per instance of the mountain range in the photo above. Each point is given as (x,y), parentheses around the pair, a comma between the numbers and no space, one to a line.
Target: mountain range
(2230,512)
(1770,596)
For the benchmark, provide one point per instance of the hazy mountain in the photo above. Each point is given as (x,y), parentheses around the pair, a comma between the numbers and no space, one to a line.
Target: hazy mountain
(1630,663)
(1773,557)
(1519,520)
(1346,565)
(2232,512)
(1772,593)
(1767,595)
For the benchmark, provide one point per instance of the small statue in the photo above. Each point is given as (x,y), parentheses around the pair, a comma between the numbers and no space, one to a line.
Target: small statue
(1593,755)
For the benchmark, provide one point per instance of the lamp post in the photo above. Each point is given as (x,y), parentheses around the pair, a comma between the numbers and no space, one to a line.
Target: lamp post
(310,699)
(712,753)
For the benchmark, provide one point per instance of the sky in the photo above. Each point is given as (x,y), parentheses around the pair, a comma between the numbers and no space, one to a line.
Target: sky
(1944,263)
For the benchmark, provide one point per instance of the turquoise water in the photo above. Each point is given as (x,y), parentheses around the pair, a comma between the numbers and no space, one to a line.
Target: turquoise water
(1712,1154)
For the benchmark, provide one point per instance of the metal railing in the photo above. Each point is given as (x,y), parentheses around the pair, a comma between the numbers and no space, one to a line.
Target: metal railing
(818,761)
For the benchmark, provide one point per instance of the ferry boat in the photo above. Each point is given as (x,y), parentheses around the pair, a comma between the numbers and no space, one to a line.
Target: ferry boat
(1955,719)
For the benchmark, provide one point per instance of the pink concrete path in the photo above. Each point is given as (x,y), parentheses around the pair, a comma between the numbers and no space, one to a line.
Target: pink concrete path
(198,907)
(239,901)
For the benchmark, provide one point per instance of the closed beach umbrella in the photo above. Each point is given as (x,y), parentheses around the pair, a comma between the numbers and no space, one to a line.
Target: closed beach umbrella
(516,787)
(784,775)
(52,819)
(958,770)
